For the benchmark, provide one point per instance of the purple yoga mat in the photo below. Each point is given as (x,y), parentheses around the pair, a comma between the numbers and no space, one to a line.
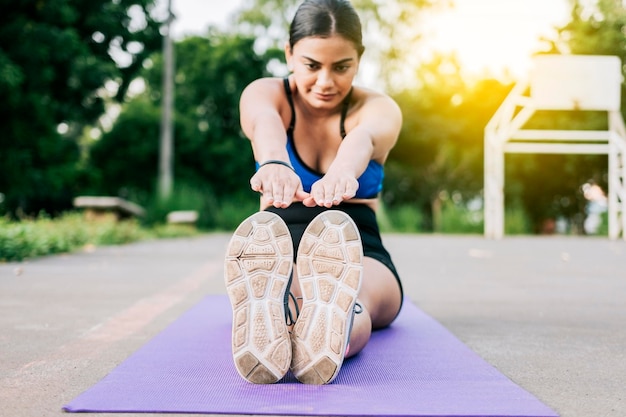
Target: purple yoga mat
(413,368)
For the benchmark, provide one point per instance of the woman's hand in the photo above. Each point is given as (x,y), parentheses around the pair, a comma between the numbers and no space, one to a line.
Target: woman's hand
(332,189)
(278,184)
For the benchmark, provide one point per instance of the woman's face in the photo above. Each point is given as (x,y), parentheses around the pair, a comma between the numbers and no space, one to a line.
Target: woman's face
(323,69)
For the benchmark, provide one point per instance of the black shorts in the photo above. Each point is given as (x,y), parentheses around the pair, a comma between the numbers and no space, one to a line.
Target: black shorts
(297,217)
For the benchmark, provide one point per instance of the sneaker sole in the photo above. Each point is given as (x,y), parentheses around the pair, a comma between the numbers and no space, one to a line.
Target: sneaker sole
(258,265)
(329,265)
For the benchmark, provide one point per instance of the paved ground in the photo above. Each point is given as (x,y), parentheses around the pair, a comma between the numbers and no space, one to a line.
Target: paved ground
(549,312)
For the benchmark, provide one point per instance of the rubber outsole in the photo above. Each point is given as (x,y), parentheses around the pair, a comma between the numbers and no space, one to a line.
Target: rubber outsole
(329,265)
(257,270)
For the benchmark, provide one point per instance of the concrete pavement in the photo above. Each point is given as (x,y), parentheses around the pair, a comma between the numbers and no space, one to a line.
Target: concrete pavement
(548,312)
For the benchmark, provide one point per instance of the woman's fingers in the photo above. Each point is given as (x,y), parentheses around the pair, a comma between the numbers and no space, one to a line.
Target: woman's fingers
(256,184)
(327,192)
(349,191)
(278,185)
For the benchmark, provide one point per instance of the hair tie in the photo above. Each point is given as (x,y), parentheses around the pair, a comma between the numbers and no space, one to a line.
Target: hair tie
(277,162)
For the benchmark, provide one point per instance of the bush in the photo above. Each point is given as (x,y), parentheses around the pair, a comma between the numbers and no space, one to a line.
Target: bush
(458,218)
(455,218)
(516,221)
(31,238)
(214,213)
(402,219)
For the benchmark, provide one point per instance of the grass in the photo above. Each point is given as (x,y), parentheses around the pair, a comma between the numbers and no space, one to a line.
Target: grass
(32,238)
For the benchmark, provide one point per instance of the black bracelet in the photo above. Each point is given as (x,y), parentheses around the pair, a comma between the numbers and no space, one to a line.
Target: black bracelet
(277,162)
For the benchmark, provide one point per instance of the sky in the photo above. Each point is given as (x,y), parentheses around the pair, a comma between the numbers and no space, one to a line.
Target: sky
(497,33)
(486,34)
(193,16)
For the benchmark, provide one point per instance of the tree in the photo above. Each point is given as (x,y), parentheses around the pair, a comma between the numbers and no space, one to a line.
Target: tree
(594,29)
(440,148)
(55,58)
(210,150)
(439,151)
(124,161)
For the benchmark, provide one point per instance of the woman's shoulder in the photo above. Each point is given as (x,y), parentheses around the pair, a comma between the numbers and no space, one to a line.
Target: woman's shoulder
(263,96)
(266,84)
(369,99)
(268,90)
(369,94)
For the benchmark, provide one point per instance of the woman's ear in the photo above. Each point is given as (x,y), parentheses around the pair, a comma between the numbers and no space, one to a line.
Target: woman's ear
(288,57)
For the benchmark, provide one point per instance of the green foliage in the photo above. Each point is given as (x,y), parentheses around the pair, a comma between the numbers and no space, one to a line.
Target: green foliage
(54,60)
(516,221)
(400,219)
(165,231)
(457,218)
(211,147)
(229,213)
(548,186)
(441,143)
(214,213)
(211,156)
(31,238)
(125,160)
(184,197)
(44,236)
(594,28)
(268,19)
(54,75)
(603,230)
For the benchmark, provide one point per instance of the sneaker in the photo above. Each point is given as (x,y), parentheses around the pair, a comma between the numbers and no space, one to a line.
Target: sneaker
(329,265)
(257,271)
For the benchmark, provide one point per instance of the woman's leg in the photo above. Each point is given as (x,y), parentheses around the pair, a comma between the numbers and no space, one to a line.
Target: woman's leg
(380,299)
(380,295)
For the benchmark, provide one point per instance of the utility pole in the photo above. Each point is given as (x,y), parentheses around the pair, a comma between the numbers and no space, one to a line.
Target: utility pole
(166,153)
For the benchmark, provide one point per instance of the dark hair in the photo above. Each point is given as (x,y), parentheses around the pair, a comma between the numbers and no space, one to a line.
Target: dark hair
(324,18)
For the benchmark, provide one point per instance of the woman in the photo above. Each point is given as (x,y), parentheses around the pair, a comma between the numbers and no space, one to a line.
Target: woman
(320,144)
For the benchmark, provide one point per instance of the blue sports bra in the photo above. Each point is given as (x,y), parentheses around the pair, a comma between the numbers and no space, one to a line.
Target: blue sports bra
(370,182)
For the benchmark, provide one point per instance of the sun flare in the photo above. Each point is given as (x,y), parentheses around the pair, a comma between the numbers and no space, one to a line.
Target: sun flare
(494,35)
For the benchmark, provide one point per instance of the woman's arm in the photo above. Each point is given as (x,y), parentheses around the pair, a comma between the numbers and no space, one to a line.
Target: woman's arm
(376,132)
(261,106)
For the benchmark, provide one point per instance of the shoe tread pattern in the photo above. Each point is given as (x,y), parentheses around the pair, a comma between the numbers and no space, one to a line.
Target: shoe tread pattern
(329,265)
(257,269)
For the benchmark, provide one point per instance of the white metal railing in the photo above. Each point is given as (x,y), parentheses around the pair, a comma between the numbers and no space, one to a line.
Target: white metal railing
(504,133)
